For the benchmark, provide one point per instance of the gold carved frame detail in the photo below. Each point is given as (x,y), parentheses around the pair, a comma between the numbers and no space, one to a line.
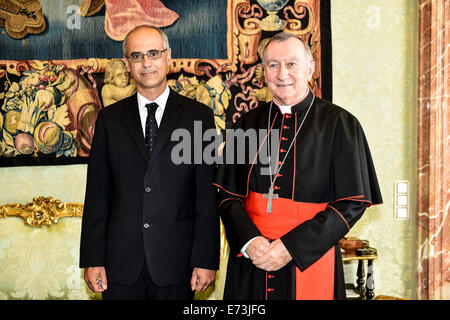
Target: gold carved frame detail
(42,211)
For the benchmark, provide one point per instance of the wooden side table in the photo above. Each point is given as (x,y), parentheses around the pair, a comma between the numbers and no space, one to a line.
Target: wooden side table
(368,254)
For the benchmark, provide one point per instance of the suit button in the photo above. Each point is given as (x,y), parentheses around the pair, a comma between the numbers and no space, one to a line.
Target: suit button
(148,189)
(146,225)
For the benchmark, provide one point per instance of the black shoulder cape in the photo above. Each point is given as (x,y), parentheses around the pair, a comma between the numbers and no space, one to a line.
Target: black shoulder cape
(332,156)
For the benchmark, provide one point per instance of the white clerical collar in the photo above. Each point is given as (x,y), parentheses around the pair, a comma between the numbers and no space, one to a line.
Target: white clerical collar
(287,109)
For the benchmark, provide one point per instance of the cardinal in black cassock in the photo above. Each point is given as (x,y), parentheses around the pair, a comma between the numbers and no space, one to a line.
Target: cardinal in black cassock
(320,180)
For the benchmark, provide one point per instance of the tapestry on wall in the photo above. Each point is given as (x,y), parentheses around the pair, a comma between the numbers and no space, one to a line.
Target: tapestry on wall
(60,63)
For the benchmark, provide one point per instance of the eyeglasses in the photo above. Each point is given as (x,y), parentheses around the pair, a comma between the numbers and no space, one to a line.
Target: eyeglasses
(151,54)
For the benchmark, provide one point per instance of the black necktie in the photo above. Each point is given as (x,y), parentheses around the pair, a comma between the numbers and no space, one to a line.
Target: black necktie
(151,126)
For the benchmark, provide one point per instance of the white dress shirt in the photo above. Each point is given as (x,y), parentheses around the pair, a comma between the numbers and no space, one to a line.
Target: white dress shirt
(161,101)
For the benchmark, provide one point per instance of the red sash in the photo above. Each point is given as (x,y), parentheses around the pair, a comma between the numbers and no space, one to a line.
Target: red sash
(317,281)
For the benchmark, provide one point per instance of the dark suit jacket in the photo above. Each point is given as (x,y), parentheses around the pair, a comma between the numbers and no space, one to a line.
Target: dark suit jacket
(138,208)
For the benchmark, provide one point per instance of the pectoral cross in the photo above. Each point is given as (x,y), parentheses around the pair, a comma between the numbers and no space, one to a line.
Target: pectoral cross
(270,196)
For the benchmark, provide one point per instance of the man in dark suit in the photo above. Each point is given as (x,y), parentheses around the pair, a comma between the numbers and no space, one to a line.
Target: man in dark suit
(150,227)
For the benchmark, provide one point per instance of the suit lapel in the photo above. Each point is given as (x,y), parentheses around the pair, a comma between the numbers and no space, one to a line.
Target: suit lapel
(133,122)
(168,121)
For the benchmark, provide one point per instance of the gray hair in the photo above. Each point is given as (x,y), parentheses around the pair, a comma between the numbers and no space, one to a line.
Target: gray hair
(283,36)
(163,36)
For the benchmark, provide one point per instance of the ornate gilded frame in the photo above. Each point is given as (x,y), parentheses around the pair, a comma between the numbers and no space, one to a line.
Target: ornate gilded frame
(42,211)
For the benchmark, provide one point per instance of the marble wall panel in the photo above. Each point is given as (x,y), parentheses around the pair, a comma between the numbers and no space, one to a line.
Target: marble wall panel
(433,151)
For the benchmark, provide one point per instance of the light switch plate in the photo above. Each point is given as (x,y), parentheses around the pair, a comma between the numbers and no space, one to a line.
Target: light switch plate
(401,198)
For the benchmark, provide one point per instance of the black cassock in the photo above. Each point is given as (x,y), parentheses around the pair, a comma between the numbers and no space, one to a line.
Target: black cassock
(329,163)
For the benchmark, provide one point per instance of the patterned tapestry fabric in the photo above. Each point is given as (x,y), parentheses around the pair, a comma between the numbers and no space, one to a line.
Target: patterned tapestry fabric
(51,92)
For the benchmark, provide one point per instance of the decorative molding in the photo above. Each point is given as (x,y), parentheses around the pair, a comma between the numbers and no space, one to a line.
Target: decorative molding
(42,211)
